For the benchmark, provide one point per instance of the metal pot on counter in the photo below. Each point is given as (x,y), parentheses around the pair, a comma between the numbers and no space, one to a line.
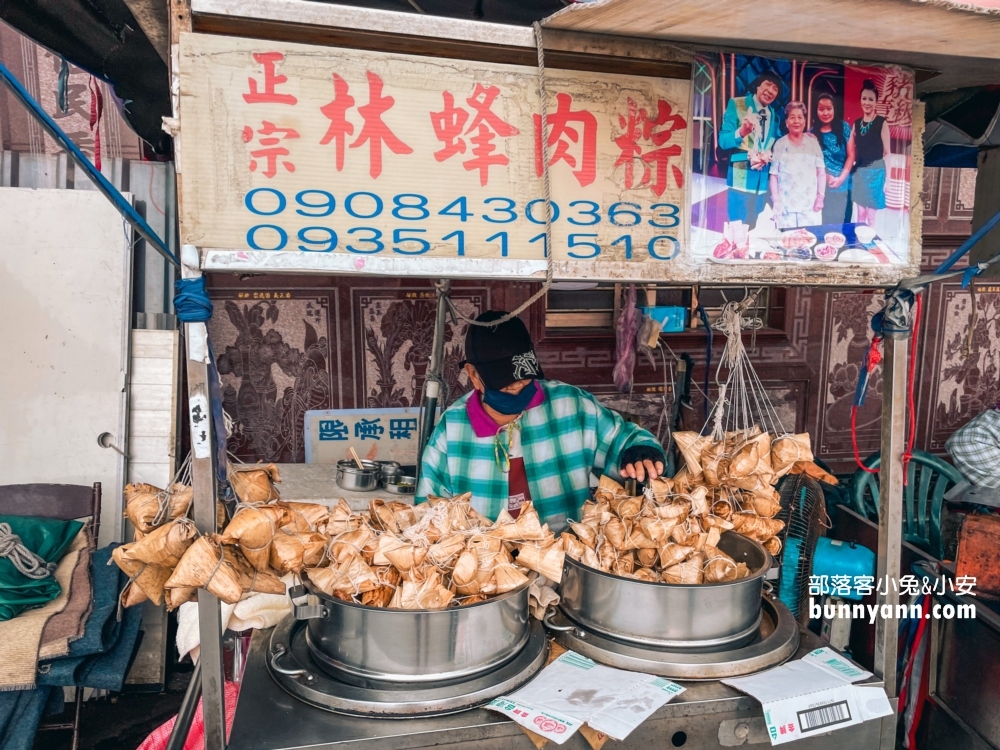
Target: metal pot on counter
(350,477)
(389,475)
(369,644)
(670,616)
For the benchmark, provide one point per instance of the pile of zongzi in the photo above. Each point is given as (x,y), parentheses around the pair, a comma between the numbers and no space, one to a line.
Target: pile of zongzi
(437,554)
(660,537)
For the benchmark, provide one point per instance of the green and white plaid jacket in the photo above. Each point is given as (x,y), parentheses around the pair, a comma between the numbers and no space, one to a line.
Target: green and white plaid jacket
(563,440)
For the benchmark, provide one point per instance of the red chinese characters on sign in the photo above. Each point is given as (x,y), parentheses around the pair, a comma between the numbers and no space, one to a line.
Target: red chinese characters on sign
(266,93)
(272,150)
(374,131)
(473,128)
(637,126)
(572,139)
(336,113)
(449,128)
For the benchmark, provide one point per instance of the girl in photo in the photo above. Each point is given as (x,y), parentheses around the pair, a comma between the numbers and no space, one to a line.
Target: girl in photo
(834,136)
(871,144)
(798,173)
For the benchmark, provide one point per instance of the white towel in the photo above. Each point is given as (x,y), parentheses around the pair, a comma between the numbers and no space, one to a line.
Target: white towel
(259,611)
(254,611)
(188,635)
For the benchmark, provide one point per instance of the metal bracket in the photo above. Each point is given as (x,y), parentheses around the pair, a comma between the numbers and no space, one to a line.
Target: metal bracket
(276,654)
(305,611)
(547,622)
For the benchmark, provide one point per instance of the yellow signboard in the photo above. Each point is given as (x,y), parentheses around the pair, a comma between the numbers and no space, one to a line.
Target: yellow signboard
(323,159)
(288,147)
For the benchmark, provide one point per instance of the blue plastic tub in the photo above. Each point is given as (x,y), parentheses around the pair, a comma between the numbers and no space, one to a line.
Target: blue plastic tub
(671,319)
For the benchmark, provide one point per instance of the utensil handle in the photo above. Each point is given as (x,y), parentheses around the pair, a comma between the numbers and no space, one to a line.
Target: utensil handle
(278,652)
(547,622)
(354,455)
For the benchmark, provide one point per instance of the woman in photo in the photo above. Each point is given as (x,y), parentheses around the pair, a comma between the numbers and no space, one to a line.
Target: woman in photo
(798,173)
(834,136)
(871,144)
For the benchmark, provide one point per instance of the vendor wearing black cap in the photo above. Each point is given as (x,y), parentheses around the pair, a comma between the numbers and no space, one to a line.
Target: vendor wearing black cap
(518,437)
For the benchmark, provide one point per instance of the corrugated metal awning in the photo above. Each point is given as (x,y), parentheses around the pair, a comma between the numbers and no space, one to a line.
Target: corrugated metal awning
(951,45)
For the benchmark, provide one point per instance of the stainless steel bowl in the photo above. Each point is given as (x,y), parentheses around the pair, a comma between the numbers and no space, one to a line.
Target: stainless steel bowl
(388,469)
(401,485)
(369,644)
(350,477)
(665,615)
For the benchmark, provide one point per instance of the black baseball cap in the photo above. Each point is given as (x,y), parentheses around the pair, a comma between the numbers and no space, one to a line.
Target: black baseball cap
(502,354)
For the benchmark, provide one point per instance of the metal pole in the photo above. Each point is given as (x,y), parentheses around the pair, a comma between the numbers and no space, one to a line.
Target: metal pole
(203,476)
(432,385)
(967,245)
(80,159)
(182,725)
(890,521)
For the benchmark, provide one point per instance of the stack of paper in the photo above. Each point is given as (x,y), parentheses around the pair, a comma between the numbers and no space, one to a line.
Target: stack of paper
(813,695)
(574,690)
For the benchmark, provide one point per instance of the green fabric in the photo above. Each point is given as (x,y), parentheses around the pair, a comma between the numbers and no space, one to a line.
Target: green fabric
(47,538)
(563,439)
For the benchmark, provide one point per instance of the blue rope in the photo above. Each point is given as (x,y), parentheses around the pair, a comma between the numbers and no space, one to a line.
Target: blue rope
(191,300)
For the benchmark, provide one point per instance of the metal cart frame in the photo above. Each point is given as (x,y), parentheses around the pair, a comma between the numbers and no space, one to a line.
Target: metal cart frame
(367,27)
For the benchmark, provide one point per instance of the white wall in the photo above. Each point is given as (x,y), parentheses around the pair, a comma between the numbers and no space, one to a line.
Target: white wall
(64,309)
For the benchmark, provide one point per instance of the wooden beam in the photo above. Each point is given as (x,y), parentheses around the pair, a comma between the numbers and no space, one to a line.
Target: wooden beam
(286,31)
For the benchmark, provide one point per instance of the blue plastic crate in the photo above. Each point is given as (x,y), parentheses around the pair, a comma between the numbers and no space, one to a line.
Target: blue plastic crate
(672,319)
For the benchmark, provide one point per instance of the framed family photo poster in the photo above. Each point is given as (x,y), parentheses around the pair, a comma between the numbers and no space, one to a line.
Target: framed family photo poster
(800,161)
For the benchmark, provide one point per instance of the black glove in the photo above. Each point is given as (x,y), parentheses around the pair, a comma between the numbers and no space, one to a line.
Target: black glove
(641,453)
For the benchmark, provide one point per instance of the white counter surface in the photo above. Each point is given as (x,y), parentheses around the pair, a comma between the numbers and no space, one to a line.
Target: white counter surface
(317,483)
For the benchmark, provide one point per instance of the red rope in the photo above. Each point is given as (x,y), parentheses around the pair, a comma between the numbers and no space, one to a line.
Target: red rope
(96,110)
(854,441)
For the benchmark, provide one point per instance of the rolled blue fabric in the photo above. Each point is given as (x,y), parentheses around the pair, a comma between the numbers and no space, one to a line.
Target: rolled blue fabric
(191,300)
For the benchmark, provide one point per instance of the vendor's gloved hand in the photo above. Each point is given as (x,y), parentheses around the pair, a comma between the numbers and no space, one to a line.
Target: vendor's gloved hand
(642,461)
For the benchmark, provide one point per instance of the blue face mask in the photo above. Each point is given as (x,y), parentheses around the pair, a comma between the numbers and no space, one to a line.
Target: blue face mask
(510,403)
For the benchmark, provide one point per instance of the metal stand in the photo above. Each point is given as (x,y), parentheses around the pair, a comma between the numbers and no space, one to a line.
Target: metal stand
(432,385)
(890,520)
(185,715)
(203,474)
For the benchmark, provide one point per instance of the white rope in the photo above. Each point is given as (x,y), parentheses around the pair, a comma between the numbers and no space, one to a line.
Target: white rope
(543,99)
(743,402)
(27,562)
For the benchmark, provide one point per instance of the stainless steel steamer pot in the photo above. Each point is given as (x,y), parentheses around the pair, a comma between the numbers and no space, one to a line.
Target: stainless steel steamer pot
(350,477)
(414,646)
(670,616)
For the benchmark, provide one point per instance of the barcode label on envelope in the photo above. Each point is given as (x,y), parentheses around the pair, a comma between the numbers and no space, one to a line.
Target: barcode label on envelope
(824,716)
